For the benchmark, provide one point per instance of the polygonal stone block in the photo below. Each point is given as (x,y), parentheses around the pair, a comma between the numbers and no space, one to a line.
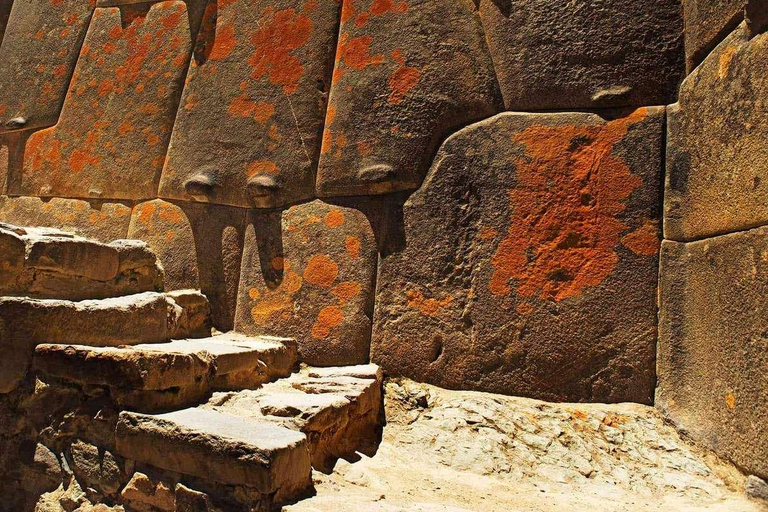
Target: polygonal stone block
(555,55)
(248,129)
(309,273)
(713,344)
(707,23)
(407,74)
(530,261)
(717,158)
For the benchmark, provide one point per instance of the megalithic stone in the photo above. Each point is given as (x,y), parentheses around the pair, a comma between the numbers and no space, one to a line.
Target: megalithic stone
(111,139)
(556,54)
(248,129)
(407,74)
(530,261)
(38,55)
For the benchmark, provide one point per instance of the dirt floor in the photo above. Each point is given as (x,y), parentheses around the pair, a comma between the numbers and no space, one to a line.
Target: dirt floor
(465,451)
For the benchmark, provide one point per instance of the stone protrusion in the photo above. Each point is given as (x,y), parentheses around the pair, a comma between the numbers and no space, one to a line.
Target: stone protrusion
(271,459)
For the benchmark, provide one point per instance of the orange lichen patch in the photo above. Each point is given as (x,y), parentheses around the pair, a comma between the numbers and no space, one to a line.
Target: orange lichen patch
(645,240)
(354,54)
(146,212)
(321,271)
(262,167)
(730,400)
(79,159)
(563,228)
(427,307)
(291,283)
(346,290)
(254,293)
(352,243)
(379,7)
(347,10)
(524,308)
(334,219)
(244,106)
(328,318)
(724,65)
(264,310)
(276,38)
(401,81)
(487,233)
(224,42)
(279,263)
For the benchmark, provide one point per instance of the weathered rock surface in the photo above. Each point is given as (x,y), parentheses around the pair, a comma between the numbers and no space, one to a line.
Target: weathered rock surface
(565,55)
(200,246)
(24,323)
(272,459)
(467,451)
(38,55)
(530,261)
(707,23)
(407,74)
(49,263)
(339,409)
(5,11)
(309,273)
(102,221)
(713,348)
(119,110)
(249,128)
(185,371)
(717,159)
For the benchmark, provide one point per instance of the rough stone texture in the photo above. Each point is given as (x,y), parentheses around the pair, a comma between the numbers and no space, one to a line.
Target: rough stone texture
(5,11)
(143,318)
(119,110)
(102,221)
(143,494)
(309,273)
(272,459)
(717,159)
(339,409)
(249,128)
(38,55)
(756,488)
(200,247)
(551,54)
(407,74)
(713,344)
(707,23)
(530,261)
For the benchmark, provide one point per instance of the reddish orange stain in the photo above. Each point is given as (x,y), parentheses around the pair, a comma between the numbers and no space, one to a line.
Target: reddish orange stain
(334,219)
(262,167)
(427,307)
(563,229)
(379,7)
(321,271)
(224,43)
(352,245)
(244,106)
(328,318)
(645,240)
(401,81)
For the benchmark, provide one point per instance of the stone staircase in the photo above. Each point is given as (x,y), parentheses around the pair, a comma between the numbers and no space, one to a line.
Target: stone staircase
(130,402)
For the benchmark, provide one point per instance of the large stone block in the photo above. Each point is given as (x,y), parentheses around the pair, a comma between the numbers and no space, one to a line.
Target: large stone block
(707,23)
(713,344)
(551,54)
(99,220)
(249,128)
(38,54)
(309,273)
(530,261)
(111,139)
(717,158)
(407,74)
(200,247)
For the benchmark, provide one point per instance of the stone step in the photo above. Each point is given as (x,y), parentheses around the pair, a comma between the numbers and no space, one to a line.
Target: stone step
(48,263)
(179,373)
(265,457)
(148,317)
(339,409)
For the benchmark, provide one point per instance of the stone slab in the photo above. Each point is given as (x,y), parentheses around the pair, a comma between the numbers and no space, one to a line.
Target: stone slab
(530,261)
(554,55)
(707,23)
(249,128)
(713,344)
(309,273)
(717,159)
(207,444)
(200,247)
(407,74)
(38,54)
(111,139)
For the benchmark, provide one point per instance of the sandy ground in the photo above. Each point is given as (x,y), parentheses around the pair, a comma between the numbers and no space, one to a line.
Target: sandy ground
(464,451)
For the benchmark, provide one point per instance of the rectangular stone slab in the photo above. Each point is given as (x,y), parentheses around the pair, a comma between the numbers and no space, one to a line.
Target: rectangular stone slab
(226,449)
(717,158)
(249,128)
(713,349)
(560,55)
(530,259)
(111,139)
(38,55)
